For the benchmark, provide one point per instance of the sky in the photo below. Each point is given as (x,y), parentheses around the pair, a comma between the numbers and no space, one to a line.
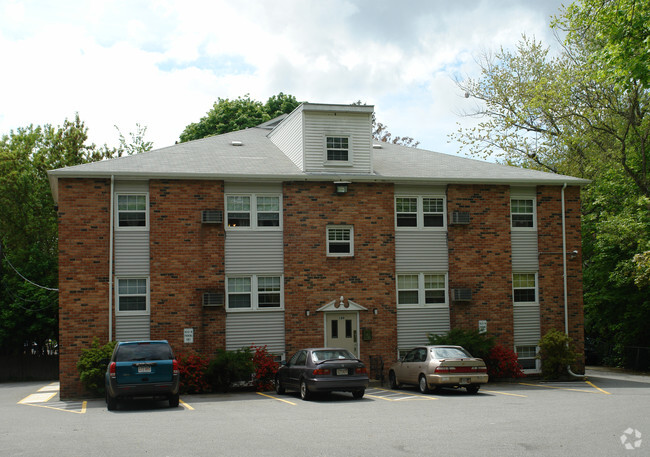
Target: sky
(163,63)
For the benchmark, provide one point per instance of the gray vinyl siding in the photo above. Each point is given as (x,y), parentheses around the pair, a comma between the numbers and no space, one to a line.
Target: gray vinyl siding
(254,252)
(421,251)
(131,187)
(524,251)
(526,325)
(414,190)
(413,325)
(289,138)
(132,328)
(261,328)
(131,253)
(319,125)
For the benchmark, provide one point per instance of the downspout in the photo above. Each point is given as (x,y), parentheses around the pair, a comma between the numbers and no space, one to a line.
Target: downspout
(564,275)
(110,265)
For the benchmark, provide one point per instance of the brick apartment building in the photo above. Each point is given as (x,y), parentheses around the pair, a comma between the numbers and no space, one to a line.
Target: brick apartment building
(304,231)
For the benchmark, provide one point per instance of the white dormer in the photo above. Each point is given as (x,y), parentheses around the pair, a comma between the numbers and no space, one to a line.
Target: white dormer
(327,138)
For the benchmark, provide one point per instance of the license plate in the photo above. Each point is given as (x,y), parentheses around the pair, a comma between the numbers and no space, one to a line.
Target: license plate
(341,371)
(464,381)
(144,369)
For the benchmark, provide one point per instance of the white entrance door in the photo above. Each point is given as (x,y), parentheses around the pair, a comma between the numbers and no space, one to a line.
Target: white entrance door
(341,331)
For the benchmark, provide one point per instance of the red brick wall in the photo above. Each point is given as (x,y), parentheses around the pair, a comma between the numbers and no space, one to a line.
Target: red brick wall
(83,218)
(480,259)
(187,259)
(312,279)
(551,286)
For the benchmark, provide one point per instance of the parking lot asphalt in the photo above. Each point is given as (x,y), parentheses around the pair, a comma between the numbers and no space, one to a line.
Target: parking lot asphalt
(606,414)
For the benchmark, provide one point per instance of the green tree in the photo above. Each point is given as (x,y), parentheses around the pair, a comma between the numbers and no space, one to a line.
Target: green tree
(28,228)
(583,111)
(231,115)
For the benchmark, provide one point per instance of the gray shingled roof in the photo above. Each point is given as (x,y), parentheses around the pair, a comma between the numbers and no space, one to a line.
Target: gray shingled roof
(259,159)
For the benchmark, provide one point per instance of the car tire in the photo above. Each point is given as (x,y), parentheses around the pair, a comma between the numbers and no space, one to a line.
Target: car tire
(174,400)
(422,384)
(392,379)
(358,394)
(472,389)
(305,394)
(279,388)
(111,402)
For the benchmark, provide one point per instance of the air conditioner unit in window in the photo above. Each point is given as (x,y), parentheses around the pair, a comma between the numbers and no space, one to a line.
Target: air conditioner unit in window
(460,217)
(213,299)
(212,216)
(461,294)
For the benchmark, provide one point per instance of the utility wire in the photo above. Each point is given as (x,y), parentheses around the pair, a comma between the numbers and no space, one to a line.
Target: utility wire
(18,273)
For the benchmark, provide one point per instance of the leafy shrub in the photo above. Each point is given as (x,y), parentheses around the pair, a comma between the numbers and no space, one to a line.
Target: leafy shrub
(503,362)
(229,367)
(92,366)
(193,370)
(556,352)
(477,344)
(265,369)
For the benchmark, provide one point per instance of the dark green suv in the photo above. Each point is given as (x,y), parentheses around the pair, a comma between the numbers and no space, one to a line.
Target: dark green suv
(142,369)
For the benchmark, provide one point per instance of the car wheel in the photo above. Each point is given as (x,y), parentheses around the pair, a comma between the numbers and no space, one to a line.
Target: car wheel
(174,400)
(422,384)
(111,403)
(358,394)
(473,389)
(392,379)
(279,388)
(305,394)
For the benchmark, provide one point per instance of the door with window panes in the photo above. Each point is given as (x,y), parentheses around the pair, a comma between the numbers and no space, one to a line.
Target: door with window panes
(341,331)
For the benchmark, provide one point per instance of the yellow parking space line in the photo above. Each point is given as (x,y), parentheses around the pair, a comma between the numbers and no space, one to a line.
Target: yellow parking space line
(598,388)
(185,405)
(42,397)
(276,398)
(559,388)
(503,393)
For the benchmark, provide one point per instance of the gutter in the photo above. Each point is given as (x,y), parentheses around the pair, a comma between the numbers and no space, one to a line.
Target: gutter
(565,280)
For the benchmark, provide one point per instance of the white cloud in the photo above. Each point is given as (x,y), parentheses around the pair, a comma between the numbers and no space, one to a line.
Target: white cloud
(163,63)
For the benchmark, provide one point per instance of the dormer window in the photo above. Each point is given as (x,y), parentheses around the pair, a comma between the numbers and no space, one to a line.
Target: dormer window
(338,149)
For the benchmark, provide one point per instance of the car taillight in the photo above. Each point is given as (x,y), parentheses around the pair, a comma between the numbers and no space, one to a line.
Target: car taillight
(361,370)
(479,369)
(445,369)
(321,371)
(175,368)
(111,369)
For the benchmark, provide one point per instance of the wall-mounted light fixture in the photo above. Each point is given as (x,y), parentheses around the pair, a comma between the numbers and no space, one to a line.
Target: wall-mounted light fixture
(307,312)
(375,311)
(341,187)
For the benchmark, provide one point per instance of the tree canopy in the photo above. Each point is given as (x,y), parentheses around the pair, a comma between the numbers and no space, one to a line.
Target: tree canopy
(583,111)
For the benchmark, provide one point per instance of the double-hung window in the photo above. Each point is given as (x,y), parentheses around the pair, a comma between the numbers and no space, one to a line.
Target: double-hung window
(338,149)
(253,211)
(421,289)
(132,295)
(420,212)
(522,213)
(132,211)
(527,357)
(255,292)
(524,286)
(340,241)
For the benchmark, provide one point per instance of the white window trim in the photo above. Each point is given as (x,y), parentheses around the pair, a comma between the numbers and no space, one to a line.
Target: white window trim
(255,294)
(524,303)
(422,291)
(144,312)
(524,229)
(338,163)
(116,216)
(253,211)
(538,362)
(327,241)
(420,213)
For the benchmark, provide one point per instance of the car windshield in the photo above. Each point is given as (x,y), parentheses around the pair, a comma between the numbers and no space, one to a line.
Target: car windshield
(331,354)
(143,351)
(449,353)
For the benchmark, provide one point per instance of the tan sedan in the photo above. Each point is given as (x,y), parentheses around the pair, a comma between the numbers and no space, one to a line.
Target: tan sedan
(432,367)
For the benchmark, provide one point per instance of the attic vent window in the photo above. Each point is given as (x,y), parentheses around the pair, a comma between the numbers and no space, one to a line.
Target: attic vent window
(337,149)
(236,143)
